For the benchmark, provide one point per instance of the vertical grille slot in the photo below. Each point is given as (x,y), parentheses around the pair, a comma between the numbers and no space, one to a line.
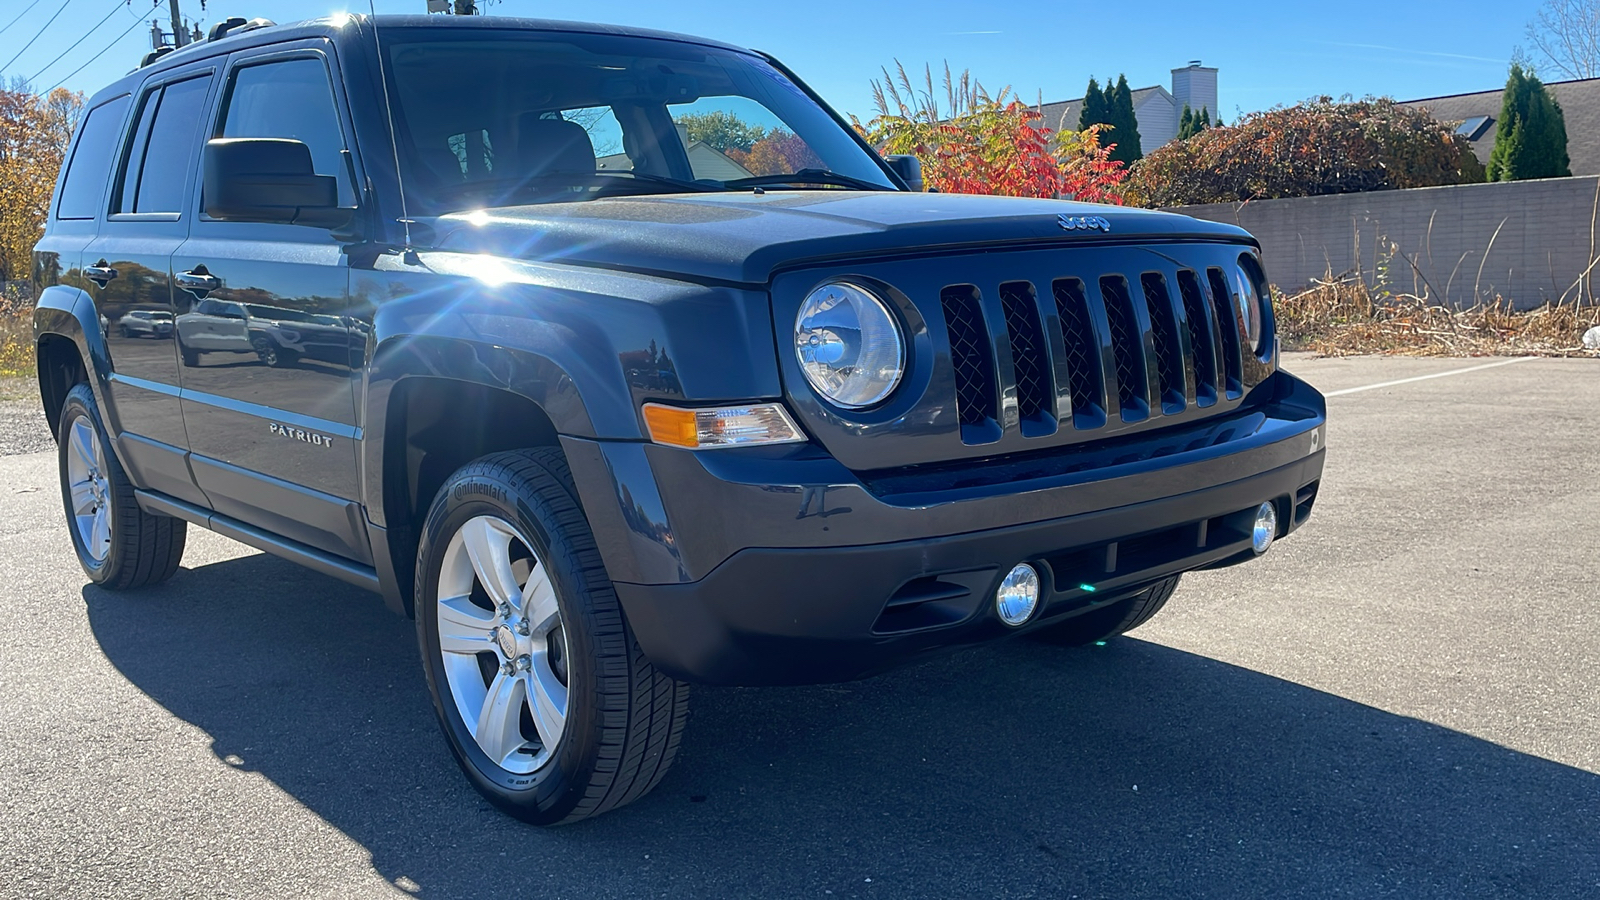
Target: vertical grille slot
(1127,348)
(1030,358)
(1172,386)
(1081,350)
(977,400)
(1201,341)
(1228,327)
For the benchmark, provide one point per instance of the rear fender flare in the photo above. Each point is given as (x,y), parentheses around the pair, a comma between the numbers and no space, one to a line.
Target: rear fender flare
(69,312)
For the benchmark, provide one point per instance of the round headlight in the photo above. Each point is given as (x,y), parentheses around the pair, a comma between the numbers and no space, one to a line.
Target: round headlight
(1249,302)
(1252,299)
(849,345)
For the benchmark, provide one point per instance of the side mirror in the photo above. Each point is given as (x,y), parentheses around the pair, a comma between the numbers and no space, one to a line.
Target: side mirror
(908,167)
(268,180)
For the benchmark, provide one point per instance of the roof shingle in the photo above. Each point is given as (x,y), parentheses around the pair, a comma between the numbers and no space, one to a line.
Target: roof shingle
(1580,105)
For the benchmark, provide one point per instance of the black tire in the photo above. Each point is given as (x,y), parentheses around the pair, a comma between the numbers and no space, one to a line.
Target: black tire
(144,549)
(624,719)
(191,358)
(1111,620)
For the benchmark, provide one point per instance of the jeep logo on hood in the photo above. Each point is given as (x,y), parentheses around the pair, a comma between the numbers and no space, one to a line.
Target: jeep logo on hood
(1084,223)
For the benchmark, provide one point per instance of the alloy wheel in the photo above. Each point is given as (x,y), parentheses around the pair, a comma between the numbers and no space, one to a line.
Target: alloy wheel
(503,646)
(89,489)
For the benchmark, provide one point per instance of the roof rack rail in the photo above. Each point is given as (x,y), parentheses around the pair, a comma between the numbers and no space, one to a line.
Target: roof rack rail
(236,25)
(154,55)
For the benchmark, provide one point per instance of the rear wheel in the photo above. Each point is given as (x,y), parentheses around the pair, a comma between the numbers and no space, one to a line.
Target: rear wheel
(118,544)
(547,703)
(1109,621)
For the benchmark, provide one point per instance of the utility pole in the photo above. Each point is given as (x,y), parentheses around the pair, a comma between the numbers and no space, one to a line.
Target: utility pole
(180,37)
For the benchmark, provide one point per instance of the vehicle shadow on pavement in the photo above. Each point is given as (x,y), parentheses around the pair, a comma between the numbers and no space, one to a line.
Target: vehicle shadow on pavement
(1129,770)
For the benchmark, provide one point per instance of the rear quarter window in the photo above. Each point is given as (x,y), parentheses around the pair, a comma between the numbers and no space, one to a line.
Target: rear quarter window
(85,181)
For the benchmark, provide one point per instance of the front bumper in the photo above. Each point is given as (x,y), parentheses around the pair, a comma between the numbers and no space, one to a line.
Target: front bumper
(781,567)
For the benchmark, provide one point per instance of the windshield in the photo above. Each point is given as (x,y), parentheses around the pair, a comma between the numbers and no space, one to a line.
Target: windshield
(541,117)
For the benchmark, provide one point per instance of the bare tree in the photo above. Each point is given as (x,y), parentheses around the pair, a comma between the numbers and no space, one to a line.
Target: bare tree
(1566,35)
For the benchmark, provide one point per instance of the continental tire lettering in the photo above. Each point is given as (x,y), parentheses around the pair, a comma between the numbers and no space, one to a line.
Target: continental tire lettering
(468,488)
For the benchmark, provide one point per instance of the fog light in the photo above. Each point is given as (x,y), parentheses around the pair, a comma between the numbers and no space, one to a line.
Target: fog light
(1018,595)
(1266,528)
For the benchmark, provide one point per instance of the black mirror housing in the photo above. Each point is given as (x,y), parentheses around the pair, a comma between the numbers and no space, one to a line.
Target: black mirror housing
(908,167)
(268,180)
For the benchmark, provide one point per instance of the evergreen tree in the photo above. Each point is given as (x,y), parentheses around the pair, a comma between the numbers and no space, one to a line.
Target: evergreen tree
(1124,124)
(1531,138)
(1190,124)
(1094,107)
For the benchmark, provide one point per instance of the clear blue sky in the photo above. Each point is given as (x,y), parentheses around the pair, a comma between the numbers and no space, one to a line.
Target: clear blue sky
(1268,53)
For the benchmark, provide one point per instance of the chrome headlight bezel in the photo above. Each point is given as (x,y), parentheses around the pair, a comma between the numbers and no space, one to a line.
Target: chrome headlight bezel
(823,348)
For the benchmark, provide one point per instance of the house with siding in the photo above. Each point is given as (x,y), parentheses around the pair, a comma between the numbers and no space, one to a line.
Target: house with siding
(1157,108)
(1478,115)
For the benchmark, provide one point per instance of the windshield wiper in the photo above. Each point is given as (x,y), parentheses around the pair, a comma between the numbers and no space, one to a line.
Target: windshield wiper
(808,176)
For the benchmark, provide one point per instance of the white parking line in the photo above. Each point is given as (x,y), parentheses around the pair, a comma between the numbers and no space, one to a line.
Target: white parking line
(1373,387)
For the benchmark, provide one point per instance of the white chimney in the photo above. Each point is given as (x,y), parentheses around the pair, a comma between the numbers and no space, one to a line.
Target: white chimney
(1196,85)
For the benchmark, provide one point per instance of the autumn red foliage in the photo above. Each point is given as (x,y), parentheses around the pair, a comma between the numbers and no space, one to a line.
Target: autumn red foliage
(980,144)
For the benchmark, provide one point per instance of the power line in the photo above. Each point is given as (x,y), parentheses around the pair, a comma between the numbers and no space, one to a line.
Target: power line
(19,17)
(114,41)
(37,36)
(80,40)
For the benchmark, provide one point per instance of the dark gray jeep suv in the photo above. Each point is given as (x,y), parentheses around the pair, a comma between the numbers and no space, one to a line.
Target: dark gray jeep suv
(619,361)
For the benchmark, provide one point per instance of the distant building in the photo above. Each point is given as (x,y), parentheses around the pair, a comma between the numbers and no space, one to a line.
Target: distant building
(704,160)
(1157,108)
(1478,116)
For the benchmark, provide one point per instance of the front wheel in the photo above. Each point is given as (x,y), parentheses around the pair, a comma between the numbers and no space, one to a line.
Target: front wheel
(1111,620)
(118,544)
(547,703)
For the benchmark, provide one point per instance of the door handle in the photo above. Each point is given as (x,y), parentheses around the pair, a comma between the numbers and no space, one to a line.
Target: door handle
(100,273)
(198,281)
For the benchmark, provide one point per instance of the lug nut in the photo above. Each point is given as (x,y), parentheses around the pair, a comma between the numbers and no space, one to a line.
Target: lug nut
(524,662)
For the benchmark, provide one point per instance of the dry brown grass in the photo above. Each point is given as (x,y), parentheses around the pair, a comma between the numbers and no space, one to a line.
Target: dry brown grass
(1343,317)
(16,333)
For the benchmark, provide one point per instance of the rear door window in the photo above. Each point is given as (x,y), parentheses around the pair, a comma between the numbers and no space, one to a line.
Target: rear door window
(85,180)
(163,148)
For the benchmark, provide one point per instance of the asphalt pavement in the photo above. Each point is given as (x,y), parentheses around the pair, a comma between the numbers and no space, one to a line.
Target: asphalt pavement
(1401,700)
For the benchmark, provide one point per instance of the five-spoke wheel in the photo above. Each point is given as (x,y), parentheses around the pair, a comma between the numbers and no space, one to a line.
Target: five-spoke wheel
(88,491)
(549,705)
(502,644)
(118,544)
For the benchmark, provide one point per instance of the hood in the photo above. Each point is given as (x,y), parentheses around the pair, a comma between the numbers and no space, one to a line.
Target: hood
(743,237)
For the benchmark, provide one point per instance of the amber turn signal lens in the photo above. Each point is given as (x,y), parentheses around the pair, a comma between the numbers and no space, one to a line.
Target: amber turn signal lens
(728,426)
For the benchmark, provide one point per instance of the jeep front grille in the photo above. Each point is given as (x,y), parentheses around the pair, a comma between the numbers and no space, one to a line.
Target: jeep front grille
(970,354)
(1086,353)
(1028,357)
